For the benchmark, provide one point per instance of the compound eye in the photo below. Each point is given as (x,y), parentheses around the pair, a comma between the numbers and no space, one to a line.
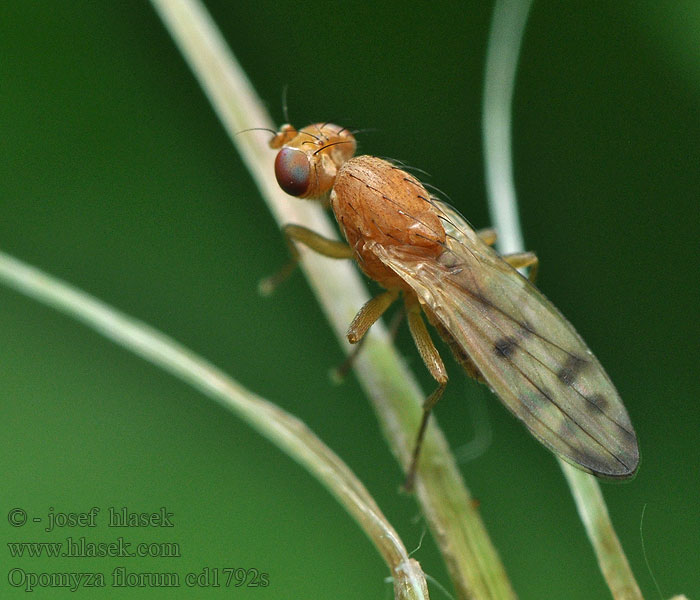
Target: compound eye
(292,171)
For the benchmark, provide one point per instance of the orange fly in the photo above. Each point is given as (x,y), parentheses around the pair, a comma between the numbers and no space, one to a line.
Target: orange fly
(499,326)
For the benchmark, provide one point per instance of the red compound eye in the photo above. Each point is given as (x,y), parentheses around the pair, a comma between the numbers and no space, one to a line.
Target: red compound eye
(292,171)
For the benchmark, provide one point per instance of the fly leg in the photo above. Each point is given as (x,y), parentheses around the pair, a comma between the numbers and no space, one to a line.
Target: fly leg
(432,360)
(364,319)
(369,313)
(518,260)
(488,236)
(341,371)
(296,234)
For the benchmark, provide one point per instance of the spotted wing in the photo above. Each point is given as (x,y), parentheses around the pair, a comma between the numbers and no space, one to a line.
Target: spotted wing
(527,352)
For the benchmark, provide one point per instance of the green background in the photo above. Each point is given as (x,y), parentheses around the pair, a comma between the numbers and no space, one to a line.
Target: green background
(117,177)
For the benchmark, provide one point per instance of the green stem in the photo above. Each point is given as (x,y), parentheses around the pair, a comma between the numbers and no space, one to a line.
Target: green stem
(595,518)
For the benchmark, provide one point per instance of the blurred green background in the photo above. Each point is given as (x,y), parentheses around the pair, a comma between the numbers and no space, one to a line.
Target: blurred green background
(117,177)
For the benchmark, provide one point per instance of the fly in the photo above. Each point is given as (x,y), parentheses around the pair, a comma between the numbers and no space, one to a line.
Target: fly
(499,326)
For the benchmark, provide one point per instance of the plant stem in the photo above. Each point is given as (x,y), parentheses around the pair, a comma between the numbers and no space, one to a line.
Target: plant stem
(595,518)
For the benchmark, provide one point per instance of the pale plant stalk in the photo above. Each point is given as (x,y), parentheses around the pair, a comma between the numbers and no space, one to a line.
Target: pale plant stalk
(472,561)
(507,29)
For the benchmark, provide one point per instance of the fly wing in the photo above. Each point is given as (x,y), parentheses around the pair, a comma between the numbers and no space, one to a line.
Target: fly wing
(527,352)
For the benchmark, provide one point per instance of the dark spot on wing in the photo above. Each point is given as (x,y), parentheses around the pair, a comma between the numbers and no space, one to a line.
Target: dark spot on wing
(571,370)
(566,376)
(505,347)
(598,401)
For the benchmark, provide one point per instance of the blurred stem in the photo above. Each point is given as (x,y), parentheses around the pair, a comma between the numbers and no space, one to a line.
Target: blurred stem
(594,515)
(472,561)
(507,28)
(278,426)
